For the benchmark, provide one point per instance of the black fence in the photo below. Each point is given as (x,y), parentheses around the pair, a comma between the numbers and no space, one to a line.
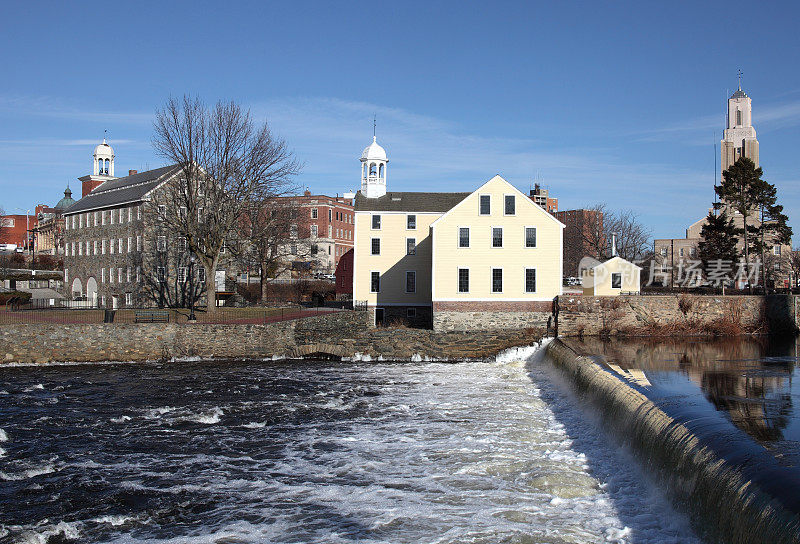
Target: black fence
(252,315)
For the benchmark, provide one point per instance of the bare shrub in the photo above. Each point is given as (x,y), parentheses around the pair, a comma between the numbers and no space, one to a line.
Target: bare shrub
(685,304)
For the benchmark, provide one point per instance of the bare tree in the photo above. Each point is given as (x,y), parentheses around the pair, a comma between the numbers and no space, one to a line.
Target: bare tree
(632,237)
(228,168)
(794,265)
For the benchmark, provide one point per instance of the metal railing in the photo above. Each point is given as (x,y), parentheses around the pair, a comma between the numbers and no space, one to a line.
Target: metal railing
(254,315)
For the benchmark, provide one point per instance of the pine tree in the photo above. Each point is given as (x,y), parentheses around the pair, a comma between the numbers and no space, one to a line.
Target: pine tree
(743,191)
(718,239)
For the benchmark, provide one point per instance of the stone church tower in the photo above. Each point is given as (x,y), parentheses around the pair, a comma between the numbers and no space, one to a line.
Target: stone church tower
(739,138)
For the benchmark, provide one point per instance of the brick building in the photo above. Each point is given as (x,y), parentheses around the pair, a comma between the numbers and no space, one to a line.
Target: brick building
(17,229)
(580,224)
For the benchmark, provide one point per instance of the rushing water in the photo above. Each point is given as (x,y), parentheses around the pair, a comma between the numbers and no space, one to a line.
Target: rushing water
(314,452)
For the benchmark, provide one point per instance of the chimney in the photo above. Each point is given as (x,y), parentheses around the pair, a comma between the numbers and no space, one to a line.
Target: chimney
(132,172)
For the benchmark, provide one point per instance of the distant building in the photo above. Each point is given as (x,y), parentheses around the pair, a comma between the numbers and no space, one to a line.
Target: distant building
(580,227)
(543,199)
(17,229)
(344,276)
(49,231)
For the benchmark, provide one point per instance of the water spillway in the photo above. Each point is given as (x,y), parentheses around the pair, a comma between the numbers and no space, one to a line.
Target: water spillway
(736,488)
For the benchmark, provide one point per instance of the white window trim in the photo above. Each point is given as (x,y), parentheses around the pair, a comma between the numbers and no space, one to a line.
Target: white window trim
(525,237)
(371,247)
(370,281)
(491,281)
(415,221)
(372,224)
(502,236)
(415,247)
(479,204)
(405,278)
(458,237)
(458,280)
(525,280)
(504,205)
(621,280)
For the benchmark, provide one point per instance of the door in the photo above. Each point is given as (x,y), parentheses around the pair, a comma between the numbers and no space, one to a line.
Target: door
(379,317)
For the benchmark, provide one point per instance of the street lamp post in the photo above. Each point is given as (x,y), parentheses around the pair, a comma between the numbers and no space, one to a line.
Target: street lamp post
(192,317)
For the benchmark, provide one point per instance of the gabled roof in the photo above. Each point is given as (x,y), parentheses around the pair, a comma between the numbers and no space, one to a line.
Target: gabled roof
(118,191)
(526,200)
(617,258)
(409,202)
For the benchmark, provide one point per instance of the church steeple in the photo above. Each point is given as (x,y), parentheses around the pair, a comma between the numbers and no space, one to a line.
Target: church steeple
(739,139)
(373,169)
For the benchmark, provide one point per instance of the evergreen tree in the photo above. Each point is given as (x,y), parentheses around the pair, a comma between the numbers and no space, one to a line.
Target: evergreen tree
(742,190)
(718,239)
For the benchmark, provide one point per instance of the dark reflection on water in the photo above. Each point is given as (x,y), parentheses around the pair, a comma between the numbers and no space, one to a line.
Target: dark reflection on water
(749,381)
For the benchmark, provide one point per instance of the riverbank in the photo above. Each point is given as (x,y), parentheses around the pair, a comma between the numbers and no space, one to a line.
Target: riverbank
(345,334)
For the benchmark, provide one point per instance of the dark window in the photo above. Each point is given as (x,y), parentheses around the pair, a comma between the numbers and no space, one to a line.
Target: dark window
(411,282)
(375,282)
(497,280)
(530,236)
(463,280)
(376,222)
(411,312)
(411,222)
(376,246)
(314,249)
(497,236)
(411,246)
(330,215)
(486,207)
(616,280)
(530,280)
(463,237)
(510,205)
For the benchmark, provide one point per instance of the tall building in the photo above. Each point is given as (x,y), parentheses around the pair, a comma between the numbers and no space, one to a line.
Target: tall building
(581,237)
(739,139)
(542,198)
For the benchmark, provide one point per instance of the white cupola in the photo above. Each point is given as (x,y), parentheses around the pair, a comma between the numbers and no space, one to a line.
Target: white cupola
(103,160)
(373,170)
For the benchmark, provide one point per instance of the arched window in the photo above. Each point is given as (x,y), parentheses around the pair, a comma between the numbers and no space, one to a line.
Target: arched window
(380,175)
(738,117)
(106,166)
(372,169)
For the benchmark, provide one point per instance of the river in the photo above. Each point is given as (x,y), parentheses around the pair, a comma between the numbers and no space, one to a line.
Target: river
(315,451)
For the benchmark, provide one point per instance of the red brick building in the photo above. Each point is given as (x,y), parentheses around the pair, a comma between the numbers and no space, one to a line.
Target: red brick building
(577,236)
(16,229)
(326,223)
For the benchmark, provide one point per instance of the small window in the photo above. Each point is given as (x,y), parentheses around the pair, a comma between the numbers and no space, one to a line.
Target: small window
(162,210)
(162,274)
(376,246)
(411,246)
(663,252)
(314,249)
(411,282)
(681,252)
(182,274)
(330,215)
(376,222)
(375,282)
(411,222)
(497,280)
(463,280)
(314,231)
(314,213)
(616,280)
(463,237)
(128,299)
(486,204)
(510,205)
(411,312)
(201,274)
(497,236)
(776,251)
(161,244)
(530,236)
(530,280)
(119,275)
(182,244)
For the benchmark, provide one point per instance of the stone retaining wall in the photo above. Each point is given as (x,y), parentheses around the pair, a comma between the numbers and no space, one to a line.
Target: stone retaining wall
(337,334)
(496,316)
(589,316)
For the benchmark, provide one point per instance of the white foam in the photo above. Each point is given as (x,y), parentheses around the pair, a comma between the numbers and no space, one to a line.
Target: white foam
(114,521)
(121,419)
(209,418)
(29,473)
(3,436)
(44,533)
(2,452)
(38,386)
(255,425)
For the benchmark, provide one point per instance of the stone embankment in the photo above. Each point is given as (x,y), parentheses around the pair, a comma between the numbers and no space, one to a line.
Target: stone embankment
(683,314)
(341,334)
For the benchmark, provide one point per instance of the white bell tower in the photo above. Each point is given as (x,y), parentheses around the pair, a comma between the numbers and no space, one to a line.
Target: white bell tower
(103,160)
(373,170)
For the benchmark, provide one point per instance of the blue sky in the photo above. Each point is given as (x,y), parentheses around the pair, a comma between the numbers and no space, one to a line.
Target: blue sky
(619,104)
